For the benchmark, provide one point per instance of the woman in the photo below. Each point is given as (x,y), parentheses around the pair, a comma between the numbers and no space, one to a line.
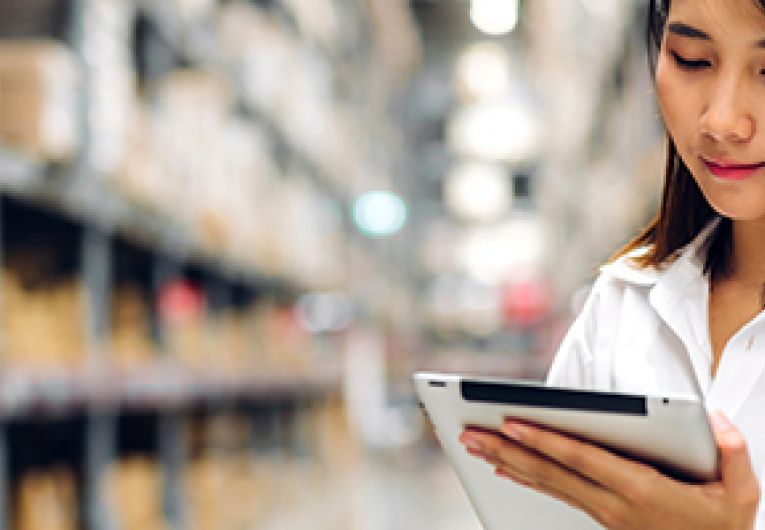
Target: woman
(681,308)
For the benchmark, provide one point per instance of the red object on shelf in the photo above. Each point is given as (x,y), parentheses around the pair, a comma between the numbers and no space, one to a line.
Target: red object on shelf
(526,302)
(291,335)
(180,300)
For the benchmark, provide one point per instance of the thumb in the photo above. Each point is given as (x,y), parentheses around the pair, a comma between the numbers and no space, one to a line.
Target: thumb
(735,466)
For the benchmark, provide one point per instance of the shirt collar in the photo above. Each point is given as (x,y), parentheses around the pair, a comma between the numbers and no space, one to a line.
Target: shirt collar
(689,258)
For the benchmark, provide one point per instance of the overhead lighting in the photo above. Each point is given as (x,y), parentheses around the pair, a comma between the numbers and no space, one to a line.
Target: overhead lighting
(477,191)
(495,254)
(482,71)
(379,213)
(503,131)
(494,17)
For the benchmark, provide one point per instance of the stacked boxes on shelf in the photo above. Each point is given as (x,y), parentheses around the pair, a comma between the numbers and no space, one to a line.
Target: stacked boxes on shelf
(38,99)
(134,485)
(292,82)
(43,324)
(288,345)
(106,49)
(225,487)
(188,133)
(218,177)
(42,313)
(247,145)
(46,500)
(227,490)
(182,308)
(131,343)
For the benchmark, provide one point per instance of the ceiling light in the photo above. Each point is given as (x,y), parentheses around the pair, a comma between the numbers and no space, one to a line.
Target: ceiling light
(477,191)
(503,130)
(482,71)
(494,17)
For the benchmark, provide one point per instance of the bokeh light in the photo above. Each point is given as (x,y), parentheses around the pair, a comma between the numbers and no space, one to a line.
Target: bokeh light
(494,17)
(379,213)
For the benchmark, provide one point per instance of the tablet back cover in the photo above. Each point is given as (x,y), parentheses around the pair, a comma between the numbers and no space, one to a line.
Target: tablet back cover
(499,503)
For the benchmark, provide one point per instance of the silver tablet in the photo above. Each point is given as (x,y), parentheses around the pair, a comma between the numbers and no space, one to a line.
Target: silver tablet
(670,432)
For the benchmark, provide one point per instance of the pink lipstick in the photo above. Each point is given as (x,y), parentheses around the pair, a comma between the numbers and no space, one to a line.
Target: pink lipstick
(731,170)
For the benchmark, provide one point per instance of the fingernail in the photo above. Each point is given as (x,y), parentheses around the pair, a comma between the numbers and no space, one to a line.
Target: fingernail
(473,452)
(513,430)
(501,473)
(720,421)
(470,443)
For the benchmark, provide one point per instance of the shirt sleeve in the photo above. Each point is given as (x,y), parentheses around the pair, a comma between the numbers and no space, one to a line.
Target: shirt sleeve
(572,365)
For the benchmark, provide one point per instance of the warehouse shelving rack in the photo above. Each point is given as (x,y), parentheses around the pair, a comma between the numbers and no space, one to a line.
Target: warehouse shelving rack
(88,404)
(86,418)
(183,41)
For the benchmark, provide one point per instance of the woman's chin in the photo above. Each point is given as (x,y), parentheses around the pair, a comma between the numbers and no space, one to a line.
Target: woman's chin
(737,213)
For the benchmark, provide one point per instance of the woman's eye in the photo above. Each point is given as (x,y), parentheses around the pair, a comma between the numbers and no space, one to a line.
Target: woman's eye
(689,63)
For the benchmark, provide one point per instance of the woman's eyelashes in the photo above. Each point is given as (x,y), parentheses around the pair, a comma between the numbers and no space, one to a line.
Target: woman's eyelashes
(690,64)
(697,64)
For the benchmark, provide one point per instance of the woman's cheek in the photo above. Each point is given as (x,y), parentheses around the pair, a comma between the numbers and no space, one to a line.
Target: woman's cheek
(668,91)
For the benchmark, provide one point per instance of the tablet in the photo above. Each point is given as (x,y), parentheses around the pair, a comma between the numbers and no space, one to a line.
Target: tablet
(671,432)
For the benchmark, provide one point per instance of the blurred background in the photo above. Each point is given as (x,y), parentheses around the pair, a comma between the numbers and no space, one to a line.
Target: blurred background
(232,229)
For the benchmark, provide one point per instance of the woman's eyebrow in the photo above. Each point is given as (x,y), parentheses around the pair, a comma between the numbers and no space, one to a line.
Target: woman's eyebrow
(684,30)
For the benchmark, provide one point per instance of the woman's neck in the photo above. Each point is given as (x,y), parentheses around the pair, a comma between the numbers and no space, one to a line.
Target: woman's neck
(749,252)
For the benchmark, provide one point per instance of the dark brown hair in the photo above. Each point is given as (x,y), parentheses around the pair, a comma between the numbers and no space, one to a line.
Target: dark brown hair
(684,211)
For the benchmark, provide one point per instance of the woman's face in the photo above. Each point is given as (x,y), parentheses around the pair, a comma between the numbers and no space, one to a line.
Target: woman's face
(710,79)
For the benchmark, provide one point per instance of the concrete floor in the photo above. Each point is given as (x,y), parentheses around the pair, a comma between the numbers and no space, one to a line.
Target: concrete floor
(414,491)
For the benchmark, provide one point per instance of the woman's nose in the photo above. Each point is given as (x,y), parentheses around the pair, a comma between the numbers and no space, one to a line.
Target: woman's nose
(726,118)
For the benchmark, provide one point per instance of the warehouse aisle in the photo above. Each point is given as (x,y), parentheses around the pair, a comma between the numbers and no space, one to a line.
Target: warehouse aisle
(385,493)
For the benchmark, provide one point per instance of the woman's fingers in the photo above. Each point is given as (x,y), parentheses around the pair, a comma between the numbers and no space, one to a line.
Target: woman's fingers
(523,480)
(735,465)
(599,465)
(618,492)
(538,472)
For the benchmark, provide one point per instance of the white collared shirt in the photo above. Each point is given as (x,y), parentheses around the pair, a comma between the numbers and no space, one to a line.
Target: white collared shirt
(646,331)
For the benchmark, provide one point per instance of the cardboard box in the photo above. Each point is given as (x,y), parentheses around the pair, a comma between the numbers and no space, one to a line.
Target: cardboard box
(43,325)
(46,501)
(228,491)
(131,342)
(135,494)
(39,98)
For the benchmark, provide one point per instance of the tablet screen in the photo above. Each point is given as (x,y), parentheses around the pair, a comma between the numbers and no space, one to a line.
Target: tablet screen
(548,397)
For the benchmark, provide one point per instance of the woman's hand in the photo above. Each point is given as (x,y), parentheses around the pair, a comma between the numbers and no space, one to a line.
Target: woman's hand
(619,493)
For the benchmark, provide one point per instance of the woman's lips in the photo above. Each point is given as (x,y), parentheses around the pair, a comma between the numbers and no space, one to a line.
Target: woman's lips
(731,170)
